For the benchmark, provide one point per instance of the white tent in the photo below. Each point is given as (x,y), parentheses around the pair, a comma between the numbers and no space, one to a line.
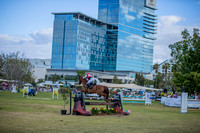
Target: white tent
(28,84)
(47,82)
(40,84)
(5,80)
(132,86)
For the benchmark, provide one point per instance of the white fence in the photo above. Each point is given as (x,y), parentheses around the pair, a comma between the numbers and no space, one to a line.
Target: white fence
(176,102)
(142,99)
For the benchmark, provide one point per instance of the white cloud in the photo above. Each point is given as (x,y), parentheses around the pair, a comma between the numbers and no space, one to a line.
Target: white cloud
(43,36)
(6,39)
(35,45)
(130,41)
(169,32)
(129,18)
(125,11)
(128,8)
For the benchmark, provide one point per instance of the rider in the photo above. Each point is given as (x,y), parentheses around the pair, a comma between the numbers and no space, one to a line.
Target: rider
(90,80)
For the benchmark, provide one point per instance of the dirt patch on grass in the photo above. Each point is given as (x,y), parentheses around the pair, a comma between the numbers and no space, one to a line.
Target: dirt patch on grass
(24,114)
(36,105)
(46,106)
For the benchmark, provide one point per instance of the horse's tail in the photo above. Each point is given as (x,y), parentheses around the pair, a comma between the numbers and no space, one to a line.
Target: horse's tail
(107,92)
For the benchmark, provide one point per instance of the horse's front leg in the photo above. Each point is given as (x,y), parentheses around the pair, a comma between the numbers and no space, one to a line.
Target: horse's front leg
(84,90)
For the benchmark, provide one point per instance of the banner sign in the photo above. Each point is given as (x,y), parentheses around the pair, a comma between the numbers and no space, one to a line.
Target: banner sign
(147,100)
(151,3)
(55,93)
(184,96)
(25,91)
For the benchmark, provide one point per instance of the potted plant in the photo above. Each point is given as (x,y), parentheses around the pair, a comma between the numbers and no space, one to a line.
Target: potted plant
(64,91)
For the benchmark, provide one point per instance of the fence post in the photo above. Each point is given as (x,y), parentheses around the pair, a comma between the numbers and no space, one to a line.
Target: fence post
(83,100)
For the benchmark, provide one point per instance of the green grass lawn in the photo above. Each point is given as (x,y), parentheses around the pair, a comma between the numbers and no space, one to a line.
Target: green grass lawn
(18,114)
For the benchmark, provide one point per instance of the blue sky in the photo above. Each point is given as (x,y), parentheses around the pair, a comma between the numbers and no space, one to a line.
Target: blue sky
(26,25)
(188,9)
(25,16)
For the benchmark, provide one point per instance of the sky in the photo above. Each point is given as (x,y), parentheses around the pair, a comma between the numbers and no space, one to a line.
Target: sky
(27,25)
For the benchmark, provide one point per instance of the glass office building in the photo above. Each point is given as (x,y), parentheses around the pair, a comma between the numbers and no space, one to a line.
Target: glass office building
(81,42)
(121,39)
(136,22)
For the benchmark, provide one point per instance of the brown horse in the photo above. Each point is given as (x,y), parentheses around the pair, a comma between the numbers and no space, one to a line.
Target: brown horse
(99,89)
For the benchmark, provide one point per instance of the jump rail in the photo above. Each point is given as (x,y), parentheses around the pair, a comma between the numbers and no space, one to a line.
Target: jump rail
(100,103)
(80,104)
(95,98)
(117,99)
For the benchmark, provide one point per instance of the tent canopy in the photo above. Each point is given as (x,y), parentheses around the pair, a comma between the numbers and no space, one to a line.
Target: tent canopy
(5,80)
(131,86)
(28,84)
(4,83)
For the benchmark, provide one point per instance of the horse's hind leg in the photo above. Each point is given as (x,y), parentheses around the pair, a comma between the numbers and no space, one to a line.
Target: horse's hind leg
(100,93)
(105,97)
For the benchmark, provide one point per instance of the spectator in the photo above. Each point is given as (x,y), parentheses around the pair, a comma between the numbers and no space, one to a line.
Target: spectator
(198,97)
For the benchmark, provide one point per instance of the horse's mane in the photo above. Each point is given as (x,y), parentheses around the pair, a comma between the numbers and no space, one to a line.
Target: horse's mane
(83,80)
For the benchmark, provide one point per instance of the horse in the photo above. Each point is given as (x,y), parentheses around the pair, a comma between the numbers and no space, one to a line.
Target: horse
(99,89)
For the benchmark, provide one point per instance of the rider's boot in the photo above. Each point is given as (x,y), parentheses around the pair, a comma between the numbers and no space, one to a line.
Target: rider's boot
(90,86)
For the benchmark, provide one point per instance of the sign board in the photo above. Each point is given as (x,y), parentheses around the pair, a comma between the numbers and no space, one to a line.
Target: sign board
(151,4)
(163,99)
(184,96)
(14,89)
(25,91)
(55,92)
(147,100)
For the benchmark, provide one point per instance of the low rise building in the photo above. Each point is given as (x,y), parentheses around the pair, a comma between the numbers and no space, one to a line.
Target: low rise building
(40,67)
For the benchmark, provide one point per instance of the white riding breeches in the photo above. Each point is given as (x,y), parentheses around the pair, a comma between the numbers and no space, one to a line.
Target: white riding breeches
(90,81)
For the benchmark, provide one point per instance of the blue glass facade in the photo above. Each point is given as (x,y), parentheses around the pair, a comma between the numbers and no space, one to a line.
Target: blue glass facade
(82,43)
(64,42)
(122,39)
(136,29)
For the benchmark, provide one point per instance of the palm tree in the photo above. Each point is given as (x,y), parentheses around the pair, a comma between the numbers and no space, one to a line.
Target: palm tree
(166,67)
(155,67)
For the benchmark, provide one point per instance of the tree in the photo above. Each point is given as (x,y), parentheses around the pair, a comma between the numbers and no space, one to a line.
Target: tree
(139,79)
(40,80)
(186,60)
(116,80)
(14,67)
(29,79)
(170,81)
(155,67)
(160,82)
(64,91)
(186,53)
(190,81)
(55,78)
(148,83)
(1,65)
(70,78)
(80,73)
(166,67)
